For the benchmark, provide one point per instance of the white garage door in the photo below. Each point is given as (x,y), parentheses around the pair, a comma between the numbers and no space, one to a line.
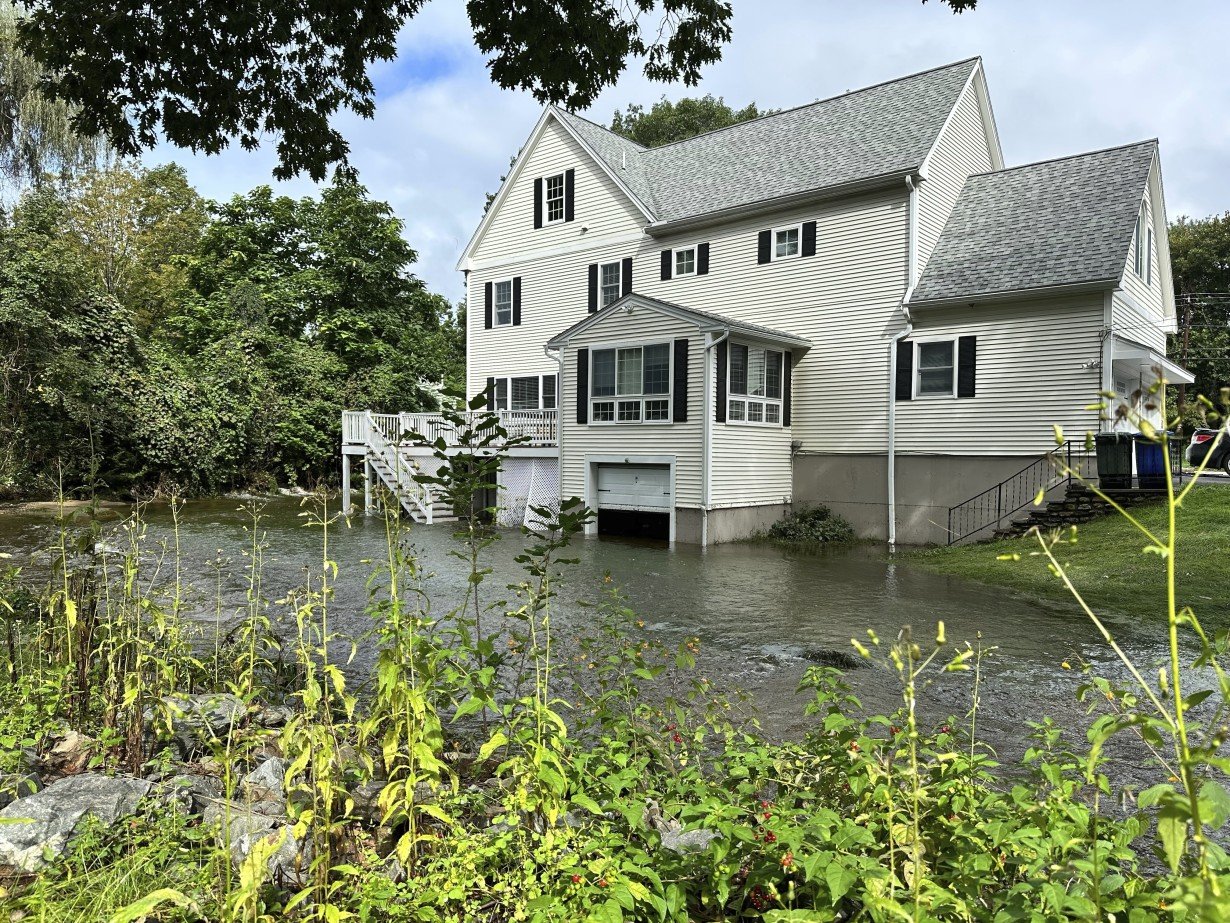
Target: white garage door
(634,487)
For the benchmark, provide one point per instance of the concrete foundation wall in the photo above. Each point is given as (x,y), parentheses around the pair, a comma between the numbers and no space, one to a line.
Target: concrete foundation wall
(735,523)
(855,487)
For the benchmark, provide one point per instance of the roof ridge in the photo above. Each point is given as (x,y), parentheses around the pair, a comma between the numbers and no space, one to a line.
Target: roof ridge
(614,134)
(1039,163)
(815,102)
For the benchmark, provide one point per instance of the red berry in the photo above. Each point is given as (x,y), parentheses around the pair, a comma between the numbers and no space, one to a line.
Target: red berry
(770,837)
(576,879)
(601,882)
(677,739)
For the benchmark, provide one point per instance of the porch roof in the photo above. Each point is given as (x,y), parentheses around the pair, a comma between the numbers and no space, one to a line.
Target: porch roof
(705,321)
(1129,352)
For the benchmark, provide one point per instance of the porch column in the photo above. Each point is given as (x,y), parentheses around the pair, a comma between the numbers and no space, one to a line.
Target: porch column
(367,485)
(345,484)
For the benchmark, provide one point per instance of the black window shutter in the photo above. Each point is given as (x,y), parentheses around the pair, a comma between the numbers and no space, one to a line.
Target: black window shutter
(702,260)
(487,305)
(625,277)
(667,256)
(491,394)
(582,386)
(570,182)
(787,363)
(516,301)
(538,203)
(967,363)
(764,245)
(905,370)
(720,410)
(809,238)
(593,287)
(680,397)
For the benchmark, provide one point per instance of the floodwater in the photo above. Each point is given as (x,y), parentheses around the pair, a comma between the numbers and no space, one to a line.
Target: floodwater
(763,615)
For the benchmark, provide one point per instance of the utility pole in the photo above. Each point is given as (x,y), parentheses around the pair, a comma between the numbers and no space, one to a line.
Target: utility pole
(1185,336)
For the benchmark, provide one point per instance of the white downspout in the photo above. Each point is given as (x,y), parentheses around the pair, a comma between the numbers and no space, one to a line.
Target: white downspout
(707,442)
(559,417)
(912,270)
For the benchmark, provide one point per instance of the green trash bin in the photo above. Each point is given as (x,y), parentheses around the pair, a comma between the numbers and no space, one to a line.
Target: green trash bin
(1114,460)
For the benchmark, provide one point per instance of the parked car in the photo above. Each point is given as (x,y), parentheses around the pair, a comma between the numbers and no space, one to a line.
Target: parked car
(1204,442)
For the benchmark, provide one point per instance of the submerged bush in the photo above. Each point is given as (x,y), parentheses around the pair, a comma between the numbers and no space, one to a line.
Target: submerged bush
(810,525)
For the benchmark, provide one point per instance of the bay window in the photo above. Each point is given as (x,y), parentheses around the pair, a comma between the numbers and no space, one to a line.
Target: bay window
(631,384)
(755,385)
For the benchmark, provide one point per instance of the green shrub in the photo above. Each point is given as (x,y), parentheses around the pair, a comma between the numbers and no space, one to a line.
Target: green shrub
(811,525)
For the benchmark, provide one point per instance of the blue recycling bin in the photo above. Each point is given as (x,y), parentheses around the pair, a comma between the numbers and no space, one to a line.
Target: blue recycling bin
(1150,463)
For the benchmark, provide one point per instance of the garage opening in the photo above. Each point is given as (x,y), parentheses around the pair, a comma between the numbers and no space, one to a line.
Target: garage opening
(635,500)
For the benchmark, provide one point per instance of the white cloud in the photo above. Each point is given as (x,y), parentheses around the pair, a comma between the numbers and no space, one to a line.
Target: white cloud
(1064,77)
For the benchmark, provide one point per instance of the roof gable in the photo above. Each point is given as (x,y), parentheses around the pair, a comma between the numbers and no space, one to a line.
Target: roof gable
(1049,225)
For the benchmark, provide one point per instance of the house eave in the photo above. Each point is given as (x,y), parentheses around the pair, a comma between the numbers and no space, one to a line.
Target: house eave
(1020,294)
(780,203)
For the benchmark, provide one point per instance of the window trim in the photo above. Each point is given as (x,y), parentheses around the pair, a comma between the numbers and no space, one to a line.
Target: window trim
(508,380)
(773,232)
(619,284)
(675,273)
(917,376)
(765,401)
(667,396)
(495,309)
(563,198)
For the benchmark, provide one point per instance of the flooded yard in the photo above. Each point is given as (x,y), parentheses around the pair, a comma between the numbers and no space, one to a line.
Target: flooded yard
(763,615)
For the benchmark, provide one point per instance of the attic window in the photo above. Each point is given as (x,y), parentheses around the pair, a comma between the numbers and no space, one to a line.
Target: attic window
(553,193)
(1142,244)
(786,242)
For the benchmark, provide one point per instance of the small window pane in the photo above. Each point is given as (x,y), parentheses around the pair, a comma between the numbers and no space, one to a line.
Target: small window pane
(628,371)
(629,411)
(610,283)
(685,261)
(502,296)
(737,410)
(738,369)
(604,373)
(756,372)
(604,412)
(935,368)
(755,412)
(657,410)
(657,369)
(786,242)
(773,413)
(525,393)
(555,197)
(773,374)
(548,392)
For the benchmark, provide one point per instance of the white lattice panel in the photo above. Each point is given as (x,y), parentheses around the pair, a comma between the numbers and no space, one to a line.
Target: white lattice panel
(524,483)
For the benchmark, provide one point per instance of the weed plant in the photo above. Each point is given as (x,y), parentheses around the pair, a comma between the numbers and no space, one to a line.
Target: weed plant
(488,772)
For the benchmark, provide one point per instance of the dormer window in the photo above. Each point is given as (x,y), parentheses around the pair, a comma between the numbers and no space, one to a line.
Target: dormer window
(553,192)
(786,242)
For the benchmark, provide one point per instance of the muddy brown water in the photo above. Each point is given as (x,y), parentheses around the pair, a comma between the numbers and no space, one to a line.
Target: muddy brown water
(763,615)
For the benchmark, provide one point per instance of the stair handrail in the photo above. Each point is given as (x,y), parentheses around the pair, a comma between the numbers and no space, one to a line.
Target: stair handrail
(404,483)
(1008,493)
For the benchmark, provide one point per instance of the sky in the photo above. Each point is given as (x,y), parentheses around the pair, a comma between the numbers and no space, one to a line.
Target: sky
(1065,76)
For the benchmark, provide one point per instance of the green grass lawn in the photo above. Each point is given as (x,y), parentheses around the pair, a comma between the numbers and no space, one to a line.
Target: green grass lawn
(1108,564)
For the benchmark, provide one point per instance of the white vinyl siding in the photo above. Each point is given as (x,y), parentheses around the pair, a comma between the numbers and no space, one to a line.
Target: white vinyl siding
(844,300)
(1145,287)
(1036,368)
(681,440)
(1130,323)
(960,150)
(601,206)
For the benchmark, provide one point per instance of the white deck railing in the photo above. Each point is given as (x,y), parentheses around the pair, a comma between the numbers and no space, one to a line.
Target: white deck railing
(536,427)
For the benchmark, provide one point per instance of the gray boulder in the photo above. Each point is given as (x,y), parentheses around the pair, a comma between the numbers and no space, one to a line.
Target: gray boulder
(195,720)
(688,841)
(267,782)
(239,830)
(190,792)
(43,823)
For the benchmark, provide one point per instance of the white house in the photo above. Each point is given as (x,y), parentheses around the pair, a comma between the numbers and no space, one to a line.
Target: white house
(853,302)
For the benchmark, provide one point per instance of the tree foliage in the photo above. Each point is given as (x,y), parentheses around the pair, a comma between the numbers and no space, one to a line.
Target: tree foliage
(667,122)
(1200,260)
(149,336)
(202,73)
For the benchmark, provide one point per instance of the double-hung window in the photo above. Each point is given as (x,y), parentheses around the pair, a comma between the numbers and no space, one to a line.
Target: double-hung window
(525,392)
(631,384)
(553,198)
(755,385)
(685,261)
(786,242)
(936,369)
(502,303)
(610,283)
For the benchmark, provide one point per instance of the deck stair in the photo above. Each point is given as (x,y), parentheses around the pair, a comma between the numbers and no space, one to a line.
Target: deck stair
(397,471)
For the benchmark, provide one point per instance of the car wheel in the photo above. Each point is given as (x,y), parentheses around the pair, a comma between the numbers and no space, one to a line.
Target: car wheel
(1225,463)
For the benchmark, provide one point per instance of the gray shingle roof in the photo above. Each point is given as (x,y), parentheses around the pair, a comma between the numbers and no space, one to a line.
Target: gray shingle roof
(882,130)
(1060,222)
(703,318)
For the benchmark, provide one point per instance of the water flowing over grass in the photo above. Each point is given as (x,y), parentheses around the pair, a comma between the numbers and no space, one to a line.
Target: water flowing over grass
(493,771)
